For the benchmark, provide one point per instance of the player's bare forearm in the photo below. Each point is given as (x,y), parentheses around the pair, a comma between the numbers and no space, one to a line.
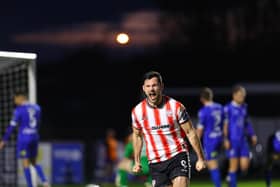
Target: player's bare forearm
(137,144)
(195,142)
(199,132)
(193,139)
(226,140)
(225,130)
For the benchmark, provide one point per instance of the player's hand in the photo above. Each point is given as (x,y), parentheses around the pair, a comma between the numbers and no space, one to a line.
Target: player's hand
(227,144)
(200,164)
(136,168)
(2,144)
(254,140)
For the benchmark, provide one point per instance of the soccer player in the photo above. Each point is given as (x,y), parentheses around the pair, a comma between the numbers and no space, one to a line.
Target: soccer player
(210,122)
(27,117)
(237,128)
(126,164)
(273,154)
(163,123)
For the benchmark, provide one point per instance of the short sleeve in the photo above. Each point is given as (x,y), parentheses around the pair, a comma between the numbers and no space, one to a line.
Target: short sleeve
(134,120)
(182,114)
(201,120)
(16,118)
(226,114)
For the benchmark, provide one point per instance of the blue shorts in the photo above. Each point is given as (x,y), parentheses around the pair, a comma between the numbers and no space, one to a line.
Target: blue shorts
(212,150)
(27,148)
(238,149)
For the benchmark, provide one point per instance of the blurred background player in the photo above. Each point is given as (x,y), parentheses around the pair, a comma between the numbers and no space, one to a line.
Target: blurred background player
(210,121)
(126,164)
(112,153)
(237,128)
(273,154)
(27,117)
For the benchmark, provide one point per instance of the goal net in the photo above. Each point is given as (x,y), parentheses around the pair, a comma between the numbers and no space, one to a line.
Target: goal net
(17,72)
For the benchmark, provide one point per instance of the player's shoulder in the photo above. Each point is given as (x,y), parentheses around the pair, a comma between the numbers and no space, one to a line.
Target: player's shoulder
(35,106)
(18,108)
(218,105)
(174,101)
(201,111)
(138,106)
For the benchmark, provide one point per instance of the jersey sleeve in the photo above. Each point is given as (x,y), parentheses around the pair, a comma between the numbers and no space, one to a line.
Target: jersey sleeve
(201,120)
(226,114)
(249,129)
(14,122)
(248,125)
(16,118)
(182,114)
(134,120)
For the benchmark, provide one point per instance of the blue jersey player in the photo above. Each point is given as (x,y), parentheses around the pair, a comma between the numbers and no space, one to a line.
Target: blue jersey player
(273,154)
(237,129)
(210,121)
(27,118)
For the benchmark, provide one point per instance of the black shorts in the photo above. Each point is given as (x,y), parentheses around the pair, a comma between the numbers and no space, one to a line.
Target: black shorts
(164,172)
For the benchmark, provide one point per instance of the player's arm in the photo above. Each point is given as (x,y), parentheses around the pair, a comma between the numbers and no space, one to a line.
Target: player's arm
(10,128)
(199,132)
(225,129)
(186,125)
(200,125)
(250,132)
(225,134)
(137,146)
(195,143)
(193,139)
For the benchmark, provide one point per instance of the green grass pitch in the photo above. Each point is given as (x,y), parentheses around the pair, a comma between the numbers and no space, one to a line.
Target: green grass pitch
(195,183)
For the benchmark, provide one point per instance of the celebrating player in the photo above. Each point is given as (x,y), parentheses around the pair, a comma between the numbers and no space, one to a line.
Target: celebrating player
(163,122)
(126,164)
(273,154)
(210,121)
(27,118)
(237,128)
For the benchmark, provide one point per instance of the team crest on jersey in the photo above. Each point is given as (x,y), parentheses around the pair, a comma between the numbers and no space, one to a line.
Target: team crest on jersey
(23,153)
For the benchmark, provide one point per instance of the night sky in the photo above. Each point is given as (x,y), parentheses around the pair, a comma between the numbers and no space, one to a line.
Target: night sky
(87,83)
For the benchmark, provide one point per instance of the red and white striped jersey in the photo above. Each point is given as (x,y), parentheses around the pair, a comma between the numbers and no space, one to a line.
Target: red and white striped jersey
(161,128)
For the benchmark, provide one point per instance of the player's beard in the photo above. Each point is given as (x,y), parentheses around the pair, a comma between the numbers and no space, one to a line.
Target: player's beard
(154,98)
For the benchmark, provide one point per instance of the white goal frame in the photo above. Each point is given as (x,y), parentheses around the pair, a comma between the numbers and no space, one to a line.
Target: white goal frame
(8,58)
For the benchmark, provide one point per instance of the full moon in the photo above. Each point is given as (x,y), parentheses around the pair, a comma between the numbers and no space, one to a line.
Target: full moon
(122,38)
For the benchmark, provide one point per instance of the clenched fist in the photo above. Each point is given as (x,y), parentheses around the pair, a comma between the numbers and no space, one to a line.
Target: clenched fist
(200,164)
(136,168)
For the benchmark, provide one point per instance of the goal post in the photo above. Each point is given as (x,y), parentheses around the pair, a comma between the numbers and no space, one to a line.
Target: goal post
(8,59)
(17,73)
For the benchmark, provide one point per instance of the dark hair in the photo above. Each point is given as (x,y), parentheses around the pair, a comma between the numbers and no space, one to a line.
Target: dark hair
(237,88)
(206,93)
(20,93)
(152,74)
